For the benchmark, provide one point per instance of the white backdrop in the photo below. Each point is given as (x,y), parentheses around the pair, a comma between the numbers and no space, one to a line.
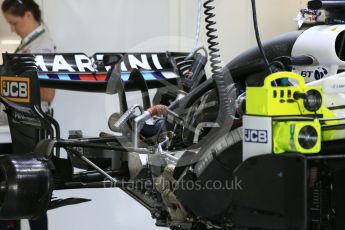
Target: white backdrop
(135,25)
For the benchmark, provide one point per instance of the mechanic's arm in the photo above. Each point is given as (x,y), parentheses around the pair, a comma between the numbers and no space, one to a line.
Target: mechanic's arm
(47,94)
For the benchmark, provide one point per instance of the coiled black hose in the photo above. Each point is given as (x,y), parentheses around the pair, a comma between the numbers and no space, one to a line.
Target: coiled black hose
(226,100)
(219,76)
(212,38)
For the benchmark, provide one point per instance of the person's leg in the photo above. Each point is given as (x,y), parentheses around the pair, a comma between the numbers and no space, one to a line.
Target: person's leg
(9,224)
(40,223)
(3,224)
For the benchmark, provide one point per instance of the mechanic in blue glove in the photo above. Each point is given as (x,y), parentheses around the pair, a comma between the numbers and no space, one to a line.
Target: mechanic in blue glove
(25,19)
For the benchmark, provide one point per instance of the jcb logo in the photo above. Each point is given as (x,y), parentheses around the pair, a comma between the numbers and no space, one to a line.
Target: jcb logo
(15,89)
(255,136)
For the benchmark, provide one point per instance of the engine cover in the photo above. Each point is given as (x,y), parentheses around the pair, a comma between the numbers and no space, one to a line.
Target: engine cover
(324,44)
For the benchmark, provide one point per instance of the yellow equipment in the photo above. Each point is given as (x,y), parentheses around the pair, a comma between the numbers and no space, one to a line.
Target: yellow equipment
(296,136)
(283,100)
(287,115)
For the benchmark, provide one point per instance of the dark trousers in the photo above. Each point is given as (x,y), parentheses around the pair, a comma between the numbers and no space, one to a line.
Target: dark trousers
(38,224)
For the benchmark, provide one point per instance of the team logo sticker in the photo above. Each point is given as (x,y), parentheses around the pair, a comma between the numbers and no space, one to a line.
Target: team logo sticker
(16,89)
(255,136)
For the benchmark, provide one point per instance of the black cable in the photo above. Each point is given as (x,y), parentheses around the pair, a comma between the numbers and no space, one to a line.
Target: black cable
(257,36)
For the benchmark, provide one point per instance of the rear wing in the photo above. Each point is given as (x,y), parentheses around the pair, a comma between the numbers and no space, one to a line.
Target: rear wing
(103,72)
(77,71)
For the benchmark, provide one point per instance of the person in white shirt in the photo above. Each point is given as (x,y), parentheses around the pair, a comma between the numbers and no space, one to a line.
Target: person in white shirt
(25,19)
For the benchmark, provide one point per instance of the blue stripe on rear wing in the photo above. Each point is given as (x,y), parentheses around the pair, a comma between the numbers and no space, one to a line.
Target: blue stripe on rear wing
(148,76)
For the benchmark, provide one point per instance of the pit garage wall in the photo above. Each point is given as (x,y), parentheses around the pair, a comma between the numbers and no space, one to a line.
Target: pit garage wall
(234,22)
(135,25)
